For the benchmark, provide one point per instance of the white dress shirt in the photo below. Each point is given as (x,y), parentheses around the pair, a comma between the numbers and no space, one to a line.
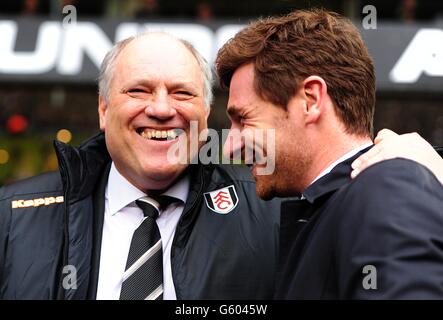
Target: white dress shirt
(122,217)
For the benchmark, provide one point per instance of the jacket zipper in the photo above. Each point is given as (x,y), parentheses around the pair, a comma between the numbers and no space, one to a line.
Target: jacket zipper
(65,246)
(178,296)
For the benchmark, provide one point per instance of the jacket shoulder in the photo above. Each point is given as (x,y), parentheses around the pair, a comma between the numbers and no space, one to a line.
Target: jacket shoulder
(396,176)
(383,184)
(44,183)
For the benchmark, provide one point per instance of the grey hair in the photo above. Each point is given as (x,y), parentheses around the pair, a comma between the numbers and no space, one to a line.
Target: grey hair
(108,64)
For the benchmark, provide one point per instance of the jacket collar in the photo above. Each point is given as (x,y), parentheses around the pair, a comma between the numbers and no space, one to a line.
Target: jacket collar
(82,167)
(338,177)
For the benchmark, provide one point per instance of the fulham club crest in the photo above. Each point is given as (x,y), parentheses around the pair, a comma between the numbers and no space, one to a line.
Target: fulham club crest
(222,200)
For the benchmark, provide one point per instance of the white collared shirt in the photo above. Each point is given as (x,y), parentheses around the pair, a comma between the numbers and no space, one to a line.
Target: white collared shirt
(348,155)
(122,217)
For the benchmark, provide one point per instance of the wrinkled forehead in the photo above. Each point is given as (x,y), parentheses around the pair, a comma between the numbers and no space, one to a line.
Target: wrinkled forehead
(161,53)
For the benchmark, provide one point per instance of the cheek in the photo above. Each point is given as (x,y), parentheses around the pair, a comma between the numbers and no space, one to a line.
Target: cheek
(113,119)
(123,114)
(194,113)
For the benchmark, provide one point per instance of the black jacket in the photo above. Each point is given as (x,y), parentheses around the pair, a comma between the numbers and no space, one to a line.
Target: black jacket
(390,217)
(213,256)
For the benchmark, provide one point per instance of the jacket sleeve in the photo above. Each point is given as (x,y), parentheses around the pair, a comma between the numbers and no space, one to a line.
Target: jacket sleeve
(5,220)
(390,235)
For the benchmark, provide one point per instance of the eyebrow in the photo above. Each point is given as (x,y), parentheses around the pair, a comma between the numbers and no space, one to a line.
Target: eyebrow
(186,85)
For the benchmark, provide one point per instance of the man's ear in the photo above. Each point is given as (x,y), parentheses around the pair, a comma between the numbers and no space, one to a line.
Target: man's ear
(314,91)
(102,109)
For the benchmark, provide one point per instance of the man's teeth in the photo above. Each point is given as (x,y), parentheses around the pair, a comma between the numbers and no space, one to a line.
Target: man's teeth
(160,134)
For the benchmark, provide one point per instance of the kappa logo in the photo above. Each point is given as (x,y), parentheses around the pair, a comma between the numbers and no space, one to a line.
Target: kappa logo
(222,200)
(36,202)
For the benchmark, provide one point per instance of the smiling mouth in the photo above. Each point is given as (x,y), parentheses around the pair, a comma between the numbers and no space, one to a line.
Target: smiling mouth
(159,135)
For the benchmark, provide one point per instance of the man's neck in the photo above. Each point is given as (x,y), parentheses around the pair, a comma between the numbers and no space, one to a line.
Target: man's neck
(326,156)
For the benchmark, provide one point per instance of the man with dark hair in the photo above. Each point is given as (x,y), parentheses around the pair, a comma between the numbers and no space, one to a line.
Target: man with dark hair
(308,78)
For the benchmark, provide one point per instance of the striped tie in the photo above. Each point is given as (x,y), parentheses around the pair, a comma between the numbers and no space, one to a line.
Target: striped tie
(143,278)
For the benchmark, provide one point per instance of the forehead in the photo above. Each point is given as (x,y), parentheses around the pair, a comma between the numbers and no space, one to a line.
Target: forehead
(241,88)
(158,57)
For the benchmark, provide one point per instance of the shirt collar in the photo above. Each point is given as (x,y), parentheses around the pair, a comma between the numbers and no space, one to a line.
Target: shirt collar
(180,189)
(338,175)
(121,193)
(348,155)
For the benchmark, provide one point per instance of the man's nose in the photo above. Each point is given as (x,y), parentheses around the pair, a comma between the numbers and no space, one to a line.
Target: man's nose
(160,107)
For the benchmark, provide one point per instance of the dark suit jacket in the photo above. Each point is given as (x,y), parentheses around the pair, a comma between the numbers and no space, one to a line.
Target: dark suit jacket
(389,218)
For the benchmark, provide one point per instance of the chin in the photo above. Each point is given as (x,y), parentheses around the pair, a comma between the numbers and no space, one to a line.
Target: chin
(264,190)
(156,180)
(161,171)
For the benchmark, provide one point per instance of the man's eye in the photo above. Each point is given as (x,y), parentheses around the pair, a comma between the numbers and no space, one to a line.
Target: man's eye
(183,93)
(136,90)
